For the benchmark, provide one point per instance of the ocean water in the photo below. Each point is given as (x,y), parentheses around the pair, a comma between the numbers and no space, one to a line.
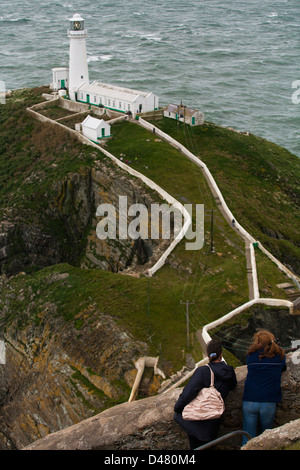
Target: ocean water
(236,61)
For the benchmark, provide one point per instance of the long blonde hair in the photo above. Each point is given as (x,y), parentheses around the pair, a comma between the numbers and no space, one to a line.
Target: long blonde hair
(265,341)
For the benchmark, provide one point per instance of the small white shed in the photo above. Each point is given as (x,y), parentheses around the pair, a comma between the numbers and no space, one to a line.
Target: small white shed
(60,78)
(95,129)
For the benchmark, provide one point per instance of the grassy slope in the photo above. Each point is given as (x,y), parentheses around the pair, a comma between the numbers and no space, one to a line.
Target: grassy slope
(259,181)
(34,155)
(216,282)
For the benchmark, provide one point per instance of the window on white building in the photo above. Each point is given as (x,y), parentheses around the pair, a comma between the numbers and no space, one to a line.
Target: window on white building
(120,105)
(114,103)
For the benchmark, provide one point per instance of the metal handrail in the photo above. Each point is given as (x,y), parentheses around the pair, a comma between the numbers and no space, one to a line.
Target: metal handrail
(223,438)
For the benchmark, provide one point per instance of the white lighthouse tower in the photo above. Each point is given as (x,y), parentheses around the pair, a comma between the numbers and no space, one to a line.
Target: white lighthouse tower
(78,67)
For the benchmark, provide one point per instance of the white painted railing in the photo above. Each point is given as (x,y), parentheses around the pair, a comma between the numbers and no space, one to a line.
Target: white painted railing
(151,184)
(166,196)
(257,299)
(242,308)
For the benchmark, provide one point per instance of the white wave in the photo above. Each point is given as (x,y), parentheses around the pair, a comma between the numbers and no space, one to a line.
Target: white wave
(97,58)
(93,58)
(14,20)
(142,35)
(105,58)
(151,37)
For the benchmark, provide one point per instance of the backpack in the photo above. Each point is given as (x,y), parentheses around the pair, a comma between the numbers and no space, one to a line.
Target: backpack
(208,404)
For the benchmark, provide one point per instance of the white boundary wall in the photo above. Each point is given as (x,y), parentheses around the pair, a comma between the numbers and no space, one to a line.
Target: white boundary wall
(257,300)
(233,313)
(166,196)
(226,209)
(202,165)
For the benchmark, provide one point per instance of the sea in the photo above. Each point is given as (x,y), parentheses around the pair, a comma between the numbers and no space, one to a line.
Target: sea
(236,61)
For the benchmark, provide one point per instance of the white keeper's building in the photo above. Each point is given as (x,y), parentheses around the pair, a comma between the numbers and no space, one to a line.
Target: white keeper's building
(95,129)
(76,80)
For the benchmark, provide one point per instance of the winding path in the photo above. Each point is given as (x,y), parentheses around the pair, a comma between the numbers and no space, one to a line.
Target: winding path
(254,297)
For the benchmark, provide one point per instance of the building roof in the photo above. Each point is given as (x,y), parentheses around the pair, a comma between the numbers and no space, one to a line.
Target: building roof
(76,17)
(55,69)
(112,91)
(93,123)
(173,108)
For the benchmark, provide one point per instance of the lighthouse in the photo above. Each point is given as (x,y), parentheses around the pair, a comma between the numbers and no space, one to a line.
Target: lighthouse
(76,80)
(78,67)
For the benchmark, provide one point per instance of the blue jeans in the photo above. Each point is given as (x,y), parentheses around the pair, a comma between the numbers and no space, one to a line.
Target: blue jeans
(254,413)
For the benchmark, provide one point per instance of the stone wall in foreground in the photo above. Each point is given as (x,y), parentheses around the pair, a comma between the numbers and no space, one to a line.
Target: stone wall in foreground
(148,424)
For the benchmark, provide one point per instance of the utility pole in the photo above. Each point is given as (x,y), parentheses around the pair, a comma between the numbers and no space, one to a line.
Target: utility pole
(212,232)
(187,303)
(212,249)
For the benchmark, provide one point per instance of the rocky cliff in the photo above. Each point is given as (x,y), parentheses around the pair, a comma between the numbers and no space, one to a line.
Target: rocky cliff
(72,323)
(52,187)
(237,335)
(58,373)
(148,424)
(64,231)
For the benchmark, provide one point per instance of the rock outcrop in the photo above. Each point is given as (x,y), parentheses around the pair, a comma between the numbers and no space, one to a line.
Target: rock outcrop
(65,230)
(237,336)
(58,373)
(280,438)
(148,423)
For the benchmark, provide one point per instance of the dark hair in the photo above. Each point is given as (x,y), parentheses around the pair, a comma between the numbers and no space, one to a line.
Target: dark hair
(214,350)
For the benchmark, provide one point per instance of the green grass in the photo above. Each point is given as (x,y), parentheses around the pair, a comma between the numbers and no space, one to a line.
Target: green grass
(258,179)
(35,156)
(149,309)
(268,277)
(294,446)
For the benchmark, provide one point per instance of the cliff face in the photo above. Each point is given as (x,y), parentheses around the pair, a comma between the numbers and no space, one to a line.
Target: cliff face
(237,337)
(148,424)
(64,231)
(57,374)
(72,338)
